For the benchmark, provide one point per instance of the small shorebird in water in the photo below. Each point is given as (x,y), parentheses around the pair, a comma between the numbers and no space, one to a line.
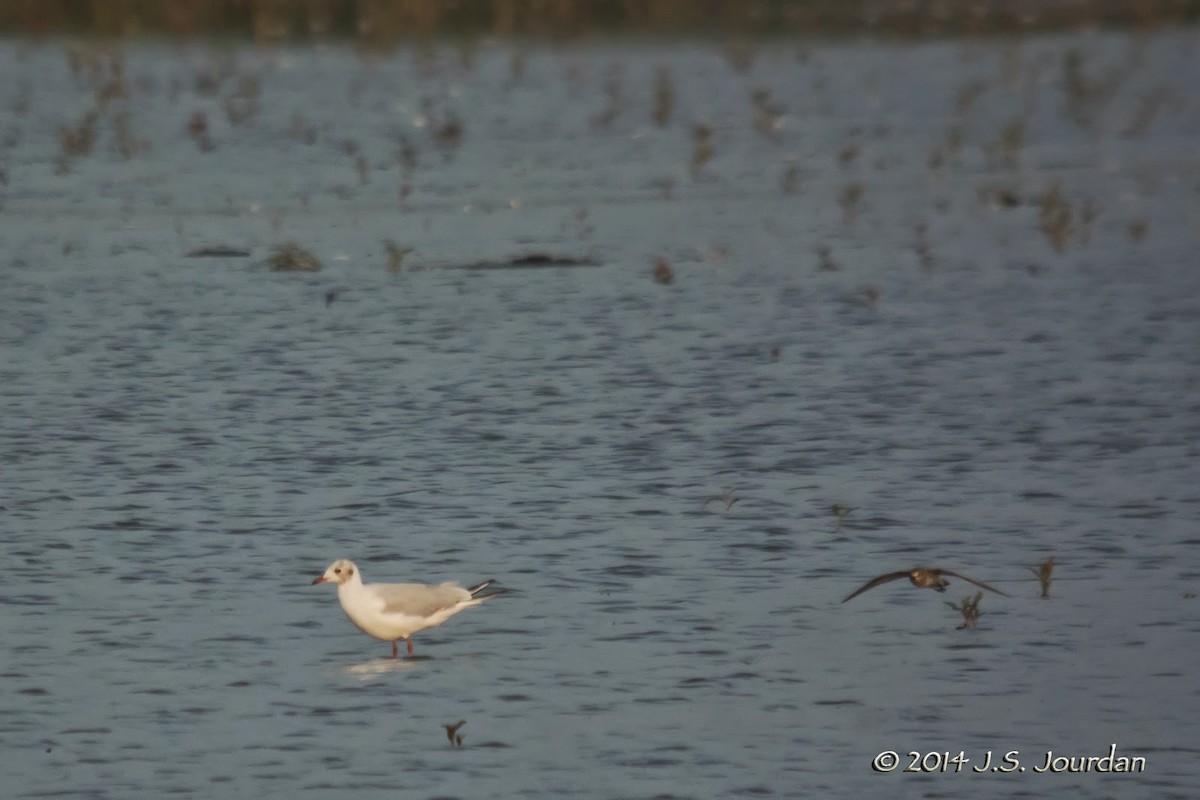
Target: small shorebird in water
(922,578)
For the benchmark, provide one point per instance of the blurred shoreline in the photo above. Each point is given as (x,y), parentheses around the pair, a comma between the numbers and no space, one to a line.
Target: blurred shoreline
(380,22)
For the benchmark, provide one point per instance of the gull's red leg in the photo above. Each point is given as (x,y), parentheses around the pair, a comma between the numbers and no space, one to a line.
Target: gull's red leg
(395,651)
(409,643)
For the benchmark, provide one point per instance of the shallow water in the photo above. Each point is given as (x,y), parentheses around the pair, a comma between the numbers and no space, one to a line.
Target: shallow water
(188,441)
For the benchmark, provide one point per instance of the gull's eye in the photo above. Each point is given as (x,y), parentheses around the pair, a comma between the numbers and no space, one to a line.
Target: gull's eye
(337,571)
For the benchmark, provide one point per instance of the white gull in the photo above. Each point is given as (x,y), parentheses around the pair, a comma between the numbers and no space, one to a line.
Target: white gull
(395,611)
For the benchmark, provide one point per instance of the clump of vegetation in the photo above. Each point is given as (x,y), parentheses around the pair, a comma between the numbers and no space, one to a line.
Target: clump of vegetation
(840,512)
(241,104)
(446,128)
(1148,108)
(103,71)
(791,175)
(923,247)
(969,608)
(664,97)
(452,732)
(614,92)
(740,54)
(767,116)
(663,272)
(966,96)
(849,198)
(825,260)
(949,150)
(128,143)
(1085,96)
(79,139)
(291,257)
(702,148)
(1010,141)
(1043,572)
(1055,218)
(1138,229)
(197,131)
(395,255)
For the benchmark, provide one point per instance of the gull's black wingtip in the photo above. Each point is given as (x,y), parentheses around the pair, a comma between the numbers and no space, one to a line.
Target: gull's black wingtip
(478,593)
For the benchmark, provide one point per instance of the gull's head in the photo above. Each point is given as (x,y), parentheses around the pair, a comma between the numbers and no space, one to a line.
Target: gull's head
(339,572)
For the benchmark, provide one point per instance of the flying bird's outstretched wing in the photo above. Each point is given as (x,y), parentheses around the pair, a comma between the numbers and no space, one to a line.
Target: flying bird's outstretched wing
(871,584)
(977,583)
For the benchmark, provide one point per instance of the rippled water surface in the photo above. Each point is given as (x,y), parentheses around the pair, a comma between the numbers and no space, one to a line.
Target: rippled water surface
(951,284)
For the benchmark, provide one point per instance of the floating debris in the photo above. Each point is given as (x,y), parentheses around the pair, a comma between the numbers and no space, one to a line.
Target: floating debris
(291,257)
(529,261)
(217,251)
(547,260)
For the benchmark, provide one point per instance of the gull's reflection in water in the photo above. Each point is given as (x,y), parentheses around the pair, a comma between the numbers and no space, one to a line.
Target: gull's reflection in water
(380,666)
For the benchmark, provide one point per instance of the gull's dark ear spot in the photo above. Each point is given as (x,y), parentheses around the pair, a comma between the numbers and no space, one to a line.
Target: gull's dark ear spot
(349,571)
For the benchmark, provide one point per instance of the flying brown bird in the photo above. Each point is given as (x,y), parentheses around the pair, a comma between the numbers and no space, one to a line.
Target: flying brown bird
(922,578)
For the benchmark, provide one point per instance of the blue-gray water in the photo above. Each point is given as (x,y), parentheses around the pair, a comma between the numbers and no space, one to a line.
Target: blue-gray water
(187,442)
